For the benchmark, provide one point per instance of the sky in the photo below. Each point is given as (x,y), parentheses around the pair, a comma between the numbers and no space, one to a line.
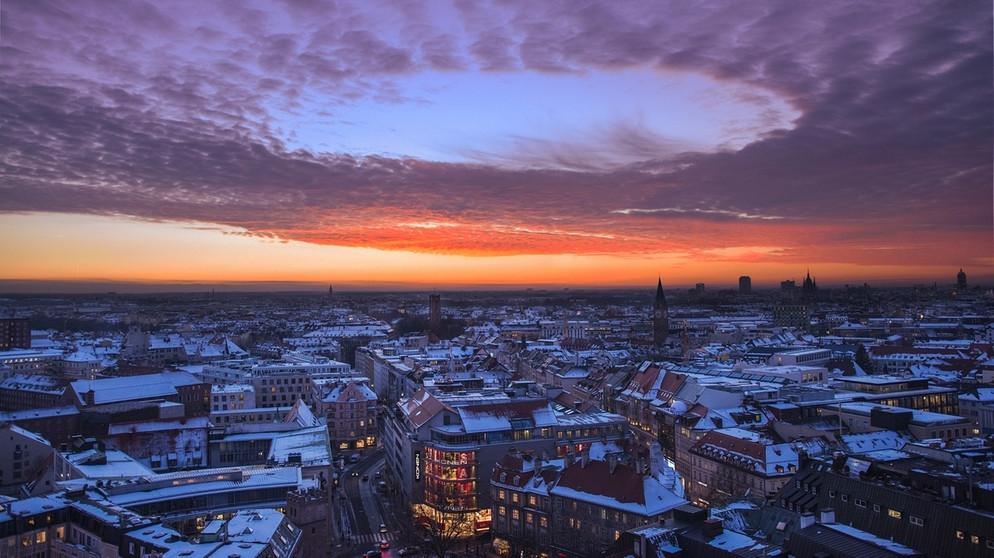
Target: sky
(498,143)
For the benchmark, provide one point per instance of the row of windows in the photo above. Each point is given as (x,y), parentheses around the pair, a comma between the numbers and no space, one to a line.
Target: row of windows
(530,518)
(891,512)
(284,381)
(975,539)
(224,397)
(500,495)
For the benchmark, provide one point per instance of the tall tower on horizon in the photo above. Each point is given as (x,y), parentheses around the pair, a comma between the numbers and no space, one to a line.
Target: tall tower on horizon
(745,285)
(961,279)
(434,310)
(660,316)
(810,287)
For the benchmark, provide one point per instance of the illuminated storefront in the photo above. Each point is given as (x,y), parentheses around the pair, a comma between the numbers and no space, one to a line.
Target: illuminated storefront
(451,491)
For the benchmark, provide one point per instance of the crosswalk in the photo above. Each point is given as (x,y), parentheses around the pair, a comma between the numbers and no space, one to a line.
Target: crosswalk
(373,537)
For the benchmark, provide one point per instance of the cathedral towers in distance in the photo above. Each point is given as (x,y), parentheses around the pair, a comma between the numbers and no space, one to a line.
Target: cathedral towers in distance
(660,317)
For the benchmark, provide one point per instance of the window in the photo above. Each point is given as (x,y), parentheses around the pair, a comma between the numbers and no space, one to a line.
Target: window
(515,515)
(544,522)
(916,521)
(975,539)
(831,494)
(845,497)
(960,535)
(860,503)
(501,510)
(894,513)
(500,494)
(876,508)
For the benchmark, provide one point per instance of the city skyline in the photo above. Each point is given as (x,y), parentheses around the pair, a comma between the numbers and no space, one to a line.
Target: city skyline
(513,145)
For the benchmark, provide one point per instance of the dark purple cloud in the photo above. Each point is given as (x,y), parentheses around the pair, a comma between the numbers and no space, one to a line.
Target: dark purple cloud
(166,111)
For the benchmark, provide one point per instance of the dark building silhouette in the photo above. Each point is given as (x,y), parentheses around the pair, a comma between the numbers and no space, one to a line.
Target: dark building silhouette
(809,289)
(15,333)
(331,290)
(660,316)
(745,285)
(961,279)
(434,310)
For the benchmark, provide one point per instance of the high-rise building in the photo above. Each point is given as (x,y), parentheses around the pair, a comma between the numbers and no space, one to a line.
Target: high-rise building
(660,316)
(15,333)
(961,279)
(434,310)
(745,285)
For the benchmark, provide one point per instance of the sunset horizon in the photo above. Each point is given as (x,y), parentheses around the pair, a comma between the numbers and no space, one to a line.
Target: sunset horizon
(503,143)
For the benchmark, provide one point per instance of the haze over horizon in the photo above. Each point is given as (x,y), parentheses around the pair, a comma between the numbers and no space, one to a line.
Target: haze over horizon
(501,144)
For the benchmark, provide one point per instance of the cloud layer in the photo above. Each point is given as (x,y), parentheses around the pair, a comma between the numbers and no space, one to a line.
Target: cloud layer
(165,111)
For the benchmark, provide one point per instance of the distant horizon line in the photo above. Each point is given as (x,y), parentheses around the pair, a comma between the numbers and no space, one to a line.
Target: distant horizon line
(107,286)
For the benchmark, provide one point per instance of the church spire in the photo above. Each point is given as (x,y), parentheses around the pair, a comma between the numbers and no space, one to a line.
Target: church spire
(660,316)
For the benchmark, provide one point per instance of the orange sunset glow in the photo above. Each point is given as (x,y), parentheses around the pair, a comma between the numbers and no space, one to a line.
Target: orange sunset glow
(595,147)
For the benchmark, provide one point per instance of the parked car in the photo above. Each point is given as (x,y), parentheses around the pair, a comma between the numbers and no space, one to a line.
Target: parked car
(409,551)
(354,458)
(383,527)
(374,554)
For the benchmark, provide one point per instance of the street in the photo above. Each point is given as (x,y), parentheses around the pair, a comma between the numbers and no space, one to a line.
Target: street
(361,509)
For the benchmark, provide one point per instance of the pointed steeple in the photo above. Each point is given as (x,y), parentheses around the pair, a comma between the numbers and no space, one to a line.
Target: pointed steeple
(660,316)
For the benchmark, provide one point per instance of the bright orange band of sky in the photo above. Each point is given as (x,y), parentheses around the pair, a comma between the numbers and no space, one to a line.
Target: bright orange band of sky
(88,248)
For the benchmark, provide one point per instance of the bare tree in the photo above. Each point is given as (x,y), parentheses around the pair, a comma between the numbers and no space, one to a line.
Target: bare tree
(445,527)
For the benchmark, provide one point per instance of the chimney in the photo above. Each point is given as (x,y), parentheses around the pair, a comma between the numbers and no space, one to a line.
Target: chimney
(711,528)
(612,462)
(537,467)
(585,457)
(807,520)
(827,515)
(838,461)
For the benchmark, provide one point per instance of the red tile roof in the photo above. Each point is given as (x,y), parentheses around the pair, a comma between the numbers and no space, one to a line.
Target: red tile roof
(731,443)
(624,485)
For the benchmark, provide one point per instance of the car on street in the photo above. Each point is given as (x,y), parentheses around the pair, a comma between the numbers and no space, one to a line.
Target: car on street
(384,545)
(383,527)
(355,473)
(409,551)
(379,474)
(374,554)
(365,477)
(354,458)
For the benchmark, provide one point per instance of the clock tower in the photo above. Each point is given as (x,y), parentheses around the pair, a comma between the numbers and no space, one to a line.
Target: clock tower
(660,317)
